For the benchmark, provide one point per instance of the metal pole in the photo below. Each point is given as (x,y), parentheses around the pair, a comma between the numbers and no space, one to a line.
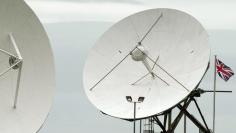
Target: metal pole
(214,94)
(165,120)
(169,120)
(179,116)
(134,115)
(185,124)
(9,68)
(200,112)
(17,86)
(15,46)
(152,124)
(158,122)
(8,53)
(149,125)
(218,91)
(140,128)
(193,119)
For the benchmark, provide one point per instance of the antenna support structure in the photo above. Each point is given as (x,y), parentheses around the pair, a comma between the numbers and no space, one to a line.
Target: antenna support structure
(15,63)
(168,125)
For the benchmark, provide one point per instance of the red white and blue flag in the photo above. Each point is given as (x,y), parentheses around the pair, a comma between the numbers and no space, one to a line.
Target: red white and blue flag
(223,71)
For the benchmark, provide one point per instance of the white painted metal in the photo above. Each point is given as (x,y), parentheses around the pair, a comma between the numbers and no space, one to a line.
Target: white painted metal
(175,46)
(26,92)
(13,41)
(20,64)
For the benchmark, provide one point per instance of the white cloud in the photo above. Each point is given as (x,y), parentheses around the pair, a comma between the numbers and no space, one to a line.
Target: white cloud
(213,15)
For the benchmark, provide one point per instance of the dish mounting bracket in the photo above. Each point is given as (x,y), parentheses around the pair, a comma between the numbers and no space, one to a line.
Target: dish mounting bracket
(183,112)
(15,63)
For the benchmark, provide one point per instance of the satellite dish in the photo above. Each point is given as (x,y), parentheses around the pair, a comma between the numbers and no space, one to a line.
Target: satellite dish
(26,69)
(159,54)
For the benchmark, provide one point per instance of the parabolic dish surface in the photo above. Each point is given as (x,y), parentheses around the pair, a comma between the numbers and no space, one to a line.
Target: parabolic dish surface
(176,49)
(37,81)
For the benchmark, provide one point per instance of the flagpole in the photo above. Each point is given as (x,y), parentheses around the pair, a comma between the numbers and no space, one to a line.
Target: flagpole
(214,95)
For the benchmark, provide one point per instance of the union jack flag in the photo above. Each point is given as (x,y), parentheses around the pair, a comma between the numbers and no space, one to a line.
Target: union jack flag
(223,71)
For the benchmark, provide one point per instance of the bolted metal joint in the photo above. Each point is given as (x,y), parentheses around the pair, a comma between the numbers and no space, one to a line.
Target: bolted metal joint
(139,53)
(13,61)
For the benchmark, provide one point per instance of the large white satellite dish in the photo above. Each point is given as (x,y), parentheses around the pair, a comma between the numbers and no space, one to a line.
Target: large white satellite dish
(26,69)
(161,54)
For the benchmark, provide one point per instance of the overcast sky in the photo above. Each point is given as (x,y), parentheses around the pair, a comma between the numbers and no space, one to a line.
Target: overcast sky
(74,26)
(214,14)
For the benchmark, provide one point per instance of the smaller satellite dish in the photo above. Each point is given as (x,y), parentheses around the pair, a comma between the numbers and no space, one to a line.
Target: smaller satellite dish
(159,54)
(26,69)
